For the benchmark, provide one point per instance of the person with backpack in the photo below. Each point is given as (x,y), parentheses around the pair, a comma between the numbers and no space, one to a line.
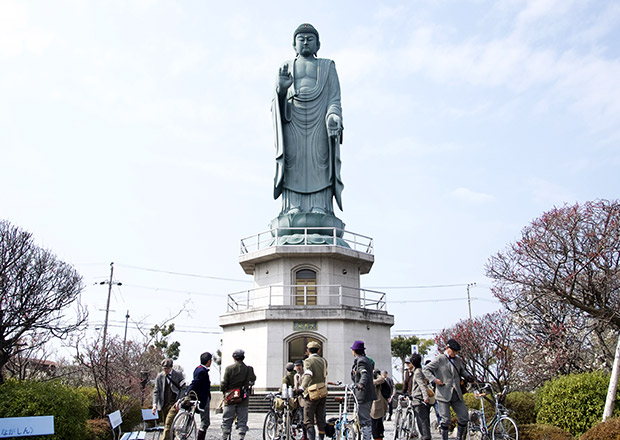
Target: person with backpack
(236,383)
(379,405)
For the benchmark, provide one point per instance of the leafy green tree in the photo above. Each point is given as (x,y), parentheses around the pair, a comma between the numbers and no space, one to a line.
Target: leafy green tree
(160,335)
(401,349)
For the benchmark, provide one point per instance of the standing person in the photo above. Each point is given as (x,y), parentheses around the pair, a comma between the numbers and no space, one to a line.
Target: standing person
(298,391)
(446,371)
(420,399)
(237,376)
(361,374)
(201,385)
(315,372)
(379,406)
(390,382)
(169,386)
(408,388)
(289,378)
(435,406)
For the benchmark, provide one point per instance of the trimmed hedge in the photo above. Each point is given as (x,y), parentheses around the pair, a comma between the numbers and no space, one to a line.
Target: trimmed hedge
(522,406)
(98,429)
(607,430)
(31,398)
(543,432)
(574,403)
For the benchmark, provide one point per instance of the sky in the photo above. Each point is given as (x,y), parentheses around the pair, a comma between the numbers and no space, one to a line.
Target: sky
(139,132)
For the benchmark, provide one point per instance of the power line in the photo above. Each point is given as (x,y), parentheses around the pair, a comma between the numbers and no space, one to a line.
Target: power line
(184,274)
(436,286)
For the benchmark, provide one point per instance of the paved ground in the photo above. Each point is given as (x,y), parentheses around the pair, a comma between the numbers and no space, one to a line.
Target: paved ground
(255,423)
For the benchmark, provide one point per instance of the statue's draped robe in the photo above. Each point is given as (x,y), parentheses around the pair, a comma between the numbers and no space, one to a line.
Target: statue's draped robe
(307,160)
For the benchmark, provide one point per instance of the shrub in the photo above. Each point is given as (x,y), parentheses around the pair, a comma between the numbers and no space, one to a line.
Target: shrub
(30,398)
(574,403)
(98,429)
(522,406)
(607,430)
(130,408)
(543,432)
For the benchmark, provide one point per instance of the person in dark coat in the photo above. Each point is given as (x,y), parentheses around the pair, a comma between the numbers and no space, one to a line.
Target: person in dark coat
(201,385)
(361,375)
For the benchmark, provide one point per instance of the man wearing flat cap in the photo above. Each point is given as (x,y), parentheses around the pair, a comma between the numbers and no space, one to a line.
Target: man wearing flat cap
(361,375)
(446,371)
(315,372)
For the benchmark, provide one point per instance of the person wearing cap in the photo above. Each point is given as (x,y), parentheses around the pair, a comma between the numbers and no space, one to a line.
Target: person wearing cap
(289,378)
(237,375)
(446,372)
(408,381)
(315,372)
(201,385)
(307,119)
(361,375)
(169,386)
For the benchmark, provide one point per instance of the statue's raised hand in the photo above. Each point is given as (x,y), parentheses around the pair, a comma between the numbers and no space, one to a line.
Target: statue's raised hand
(334,125)
(285,80)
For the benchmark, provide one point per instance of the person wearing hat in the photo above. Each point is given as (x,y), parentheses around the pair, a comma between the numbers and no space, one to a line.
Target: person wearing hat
(361,375)
(169,386)
(289,378)
(307,120)
(446,371)
(238,375)
(315,372)
(201,385)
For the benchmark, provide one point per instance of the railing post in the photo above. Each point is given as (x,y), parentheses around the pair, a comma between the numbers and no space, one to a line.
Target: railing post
(247,302)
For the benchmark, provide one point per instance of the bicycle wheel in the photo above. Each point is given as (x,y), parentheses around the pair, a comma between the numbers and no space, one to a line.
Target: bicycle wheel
(270,426)
(406,427)
(297,424)
(505,429)
(183,426)
(397,422)
(350,432)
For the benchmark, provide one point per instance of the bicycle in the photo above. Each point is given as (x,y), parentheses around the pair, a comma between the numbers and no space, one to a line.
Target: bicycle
(184,423)
(501,426)
(404,419)
(346,427)
(283,420)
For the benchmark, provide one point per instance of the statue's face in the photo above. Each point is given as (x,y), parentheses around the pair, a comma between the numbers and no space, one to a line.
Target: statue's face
(306,44)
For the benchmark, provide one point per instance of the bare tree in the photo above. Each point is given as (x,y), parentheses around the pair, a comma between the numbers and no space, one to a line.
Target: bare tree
(562,279)
(486,346)
(36,289)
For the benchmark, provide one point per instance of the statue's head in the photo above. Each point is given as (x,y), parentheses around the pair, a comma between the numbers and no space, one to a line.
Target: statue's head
(306,40)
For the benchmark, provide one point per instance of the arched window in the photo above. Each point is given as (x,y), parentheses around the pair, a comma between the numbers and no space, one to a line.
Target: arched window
(297,347)
(305,292)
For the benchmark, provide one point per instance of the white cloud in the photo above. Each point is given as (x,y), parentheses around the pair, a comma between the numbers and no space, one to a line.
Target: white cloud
(16,33)
(469,196)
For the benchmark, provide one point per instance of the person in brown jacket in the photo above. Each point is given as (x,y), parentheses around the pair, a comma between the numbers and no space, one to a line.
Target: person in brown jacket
(379,406)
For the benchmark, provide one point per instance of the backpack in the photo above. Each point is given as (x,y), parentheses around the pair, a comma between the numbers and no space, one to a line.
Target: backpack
(386,390)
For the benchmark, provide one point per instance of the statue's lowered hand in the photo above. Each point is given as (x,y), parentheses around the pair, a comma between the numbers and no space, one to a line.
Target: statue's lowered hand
(334,127)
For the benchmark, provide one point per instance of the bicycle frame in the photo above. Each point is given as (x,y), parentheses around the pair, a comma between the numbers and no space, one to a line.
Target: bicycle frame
(345,424)
(501,415)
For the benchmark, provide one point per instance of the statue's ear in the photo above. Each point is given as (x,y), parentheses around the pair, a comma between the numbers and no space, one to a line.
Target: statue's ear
(318,45)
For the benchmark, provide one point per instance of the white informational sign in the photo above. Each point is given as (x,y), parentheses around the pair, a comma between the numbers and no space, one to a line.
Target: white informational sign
(147,414)
(115,419)
(26,426)
(414,349)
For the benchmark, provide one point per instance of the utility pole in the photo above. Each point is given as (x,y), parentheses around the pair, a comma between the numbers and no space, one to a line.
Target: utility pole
(469,298)
(126,323)
(107,307)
